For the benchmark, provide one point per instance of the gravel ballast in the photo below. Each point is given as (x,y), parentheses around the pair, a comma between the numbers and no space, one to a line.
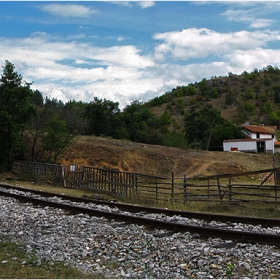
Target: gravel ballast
(112,249)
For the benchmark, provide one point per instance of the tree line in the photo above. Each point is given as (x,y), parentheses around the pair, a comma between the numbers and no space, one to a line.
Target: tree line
(38,129)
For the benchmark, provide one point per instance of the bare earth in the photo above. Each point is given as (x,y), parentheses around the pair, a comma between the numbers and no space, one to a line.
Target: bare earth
(159,160)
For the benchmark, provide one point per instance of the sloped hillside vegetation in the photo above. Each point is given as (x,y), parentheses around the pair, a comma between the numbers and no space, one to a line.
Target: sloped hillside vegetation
(250,97)
(196,116)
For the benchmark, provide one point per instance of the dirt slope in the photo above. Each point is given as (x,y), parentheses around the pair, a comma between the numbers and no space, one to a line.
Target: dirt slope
(158,160)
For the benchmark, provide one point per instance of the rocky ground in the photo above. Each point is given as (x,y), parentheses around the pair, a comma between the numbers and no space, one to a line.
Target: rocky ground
(111,249)
(159,160)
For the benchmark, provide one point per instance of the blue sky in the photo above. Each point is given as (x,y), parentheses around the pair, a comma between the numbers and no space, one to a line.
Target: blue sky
(125,51)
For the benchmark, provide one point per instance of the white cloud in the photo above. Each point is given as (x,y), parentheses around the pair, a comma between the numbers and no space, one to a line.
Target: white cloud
(255,58)
(110,72)
(122,55)
(118,38)
(245,16)
(259,23)
(68,10)
(238,15)
(130,4)
(146,4)
(200,43)
(251,15)
(81,71)
(75,36)
(122,3)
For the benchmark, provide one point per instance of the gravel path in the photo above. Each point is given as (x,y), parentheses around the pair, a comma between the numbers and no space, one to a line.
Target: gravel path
(112,249)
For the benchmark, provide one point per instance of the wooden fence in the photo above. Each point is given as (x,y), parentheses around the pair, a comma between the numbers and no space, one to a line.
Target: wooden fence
(110,181)
(37,171)
(248,187)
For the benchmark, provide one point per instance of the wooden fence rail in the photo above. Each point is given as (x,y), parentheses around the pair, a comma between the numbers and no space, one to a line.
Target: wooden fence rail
(51,173)
(218,188)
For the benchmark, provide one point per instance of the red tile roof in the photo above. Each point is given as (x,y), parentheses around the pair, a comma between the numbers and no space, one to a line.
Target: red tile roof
(248,139)
(261,129)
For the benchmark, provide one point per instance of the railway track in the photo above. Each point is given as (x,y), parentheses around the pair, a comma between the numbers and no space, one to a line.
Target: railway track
(203,231)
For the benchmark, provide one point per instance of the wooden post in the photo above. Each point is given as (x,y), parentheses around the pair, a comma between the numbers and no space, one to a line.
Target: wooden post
(185,189)
(104,176)
(81,177)
(103,180)
(109,177)
(156,191)
(117,184)
(98,178)
(128,184)
(275,193)
(172,185)
(229,189)
(274,166)
(208,191)
(135,182)
(219,188)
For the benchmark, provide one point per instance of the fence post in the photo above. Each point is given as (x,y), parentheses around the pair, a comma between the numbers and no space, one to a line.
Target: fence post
(172,185)
(275,181)
(275,193)
(81,177)
(208,190)
(219,188)
(156,191)
(136,182)
(274,166)
(229,189)
(185,189)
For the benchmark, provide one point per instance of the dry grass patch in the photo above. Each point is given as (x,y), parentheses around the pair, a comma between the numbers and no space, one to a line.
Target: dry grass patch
(15,263)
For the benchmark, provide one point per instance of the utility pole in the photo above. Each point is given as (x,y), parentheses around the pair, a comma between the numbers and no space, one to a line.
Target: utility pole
(212,126)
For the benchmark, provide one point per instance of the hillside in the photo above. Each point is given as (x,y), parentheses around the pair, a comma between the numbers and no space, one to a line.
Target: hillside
(250,97)
(159,160)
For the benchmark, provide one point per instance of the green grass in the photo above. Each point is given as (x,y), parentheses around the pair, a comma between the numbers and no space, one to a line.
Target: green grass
(16,263)
(225,207)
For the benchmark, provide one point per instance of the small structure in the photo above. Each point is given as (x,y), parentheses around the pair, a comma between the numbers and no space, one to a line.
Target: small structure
(257,139)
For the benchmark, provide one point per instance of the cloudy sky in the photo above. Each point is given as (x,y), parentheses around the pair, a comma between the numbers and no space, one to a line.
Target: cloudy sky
(124,51)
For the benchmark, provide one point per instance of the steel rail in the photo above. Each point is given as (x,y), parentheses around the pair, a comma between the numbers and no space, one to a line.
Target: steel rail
(265,222)
(204,232)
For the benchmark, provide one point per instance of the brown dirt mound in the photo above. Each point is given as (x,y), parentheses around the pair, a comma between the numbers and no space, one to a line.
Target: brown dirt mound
(159,160)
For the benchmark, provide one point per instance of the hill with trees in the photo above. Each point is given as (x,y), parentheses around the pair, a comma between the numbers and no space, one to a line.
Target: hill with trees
(252,97)
(236,99)
(199,115)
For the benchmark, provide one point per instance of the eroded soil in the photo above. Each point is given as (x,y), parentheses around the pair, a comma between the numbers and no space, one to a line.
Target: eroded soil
(159,160)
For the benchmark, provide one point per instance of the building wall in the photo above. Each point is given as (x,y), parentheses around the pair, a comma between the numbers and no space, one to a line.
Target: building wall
(248,146)
(269,146)
(242,146)
(253,135)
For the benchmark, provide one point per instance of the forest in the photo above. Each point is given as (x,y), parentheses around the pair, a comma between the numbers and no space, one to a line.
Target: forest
(199,115)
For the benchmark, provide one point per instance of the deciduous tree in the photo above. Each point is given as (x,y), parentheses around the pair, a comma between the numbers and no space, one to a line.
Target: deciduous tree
(55,138)
(206,128)
(103,117)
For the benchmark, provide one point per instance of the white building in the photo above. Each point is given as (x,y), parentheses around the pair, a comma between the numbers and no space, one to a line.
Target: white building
(258,139)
